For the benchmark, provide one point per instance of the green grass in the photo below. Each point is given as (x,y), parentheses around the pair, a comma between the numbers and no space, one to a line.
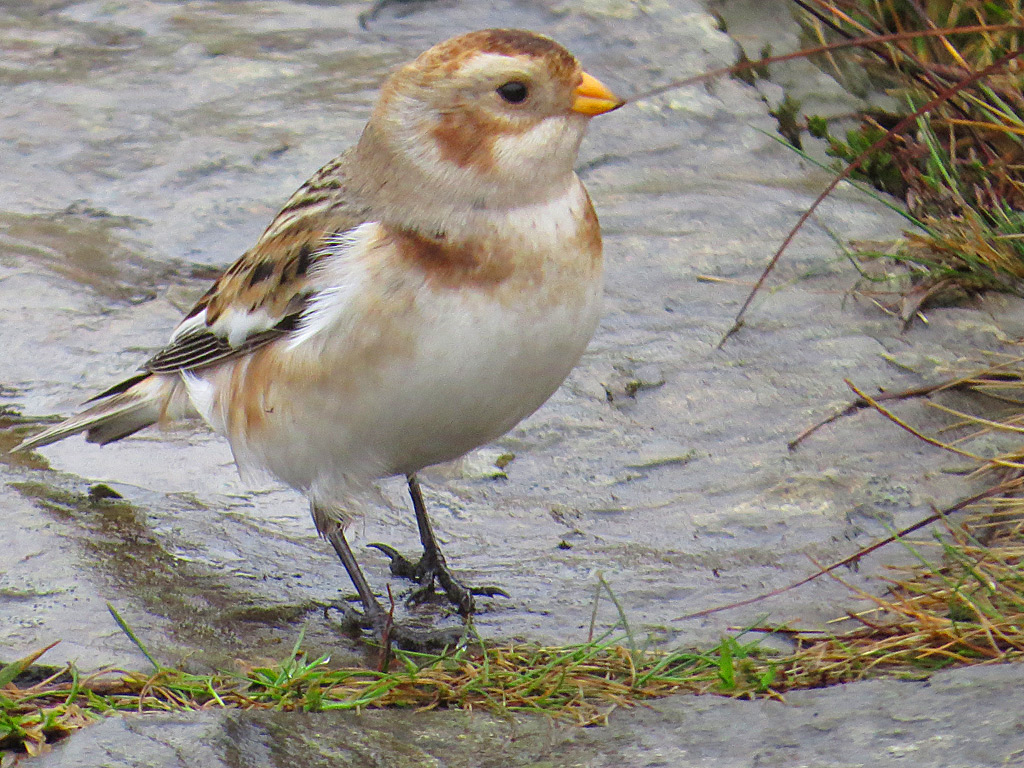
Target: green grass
(582,683)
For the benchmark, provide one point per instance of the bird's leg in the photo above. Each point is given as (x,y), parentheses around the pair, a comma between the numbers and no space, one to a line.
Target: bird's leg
(374,617)
(432,565)
(373,614)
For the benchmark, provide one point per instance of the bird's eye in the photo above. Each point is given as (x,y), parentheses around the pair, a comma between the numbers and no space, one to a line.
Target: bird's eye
(514,92)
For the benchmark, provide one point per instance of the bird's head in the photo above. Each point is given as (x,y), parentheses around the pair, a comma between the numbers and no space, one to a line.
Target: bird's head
(492,118)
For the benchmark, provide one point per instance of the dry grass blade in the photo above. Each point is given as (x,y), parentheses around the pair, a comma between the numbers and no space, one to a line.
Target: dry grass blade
(1008,486)
(904,124)
(925,438)
(967,609)
(858,42)
(960,169)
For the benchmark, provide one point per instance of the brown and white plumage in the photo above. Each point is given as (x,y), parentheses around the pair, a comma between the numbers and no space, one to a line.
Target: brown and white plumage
(417,297)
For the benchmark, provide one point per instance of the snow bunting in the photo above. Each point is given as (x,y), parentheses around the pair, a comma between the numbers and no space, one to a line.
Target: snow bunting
(419,296)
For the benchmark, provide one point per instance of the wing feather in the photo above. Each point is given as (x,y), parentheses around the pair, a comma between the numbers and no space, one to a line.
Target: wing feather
(262,296)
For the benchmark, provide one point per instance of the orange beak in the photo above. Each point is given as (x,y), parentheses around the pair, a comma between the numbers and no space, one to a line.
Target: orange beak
(592,97)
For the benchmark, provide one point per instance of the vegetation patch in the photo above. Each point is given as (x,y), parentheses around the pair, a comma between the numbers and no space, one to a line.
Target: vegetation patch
(968,609)
(959,166)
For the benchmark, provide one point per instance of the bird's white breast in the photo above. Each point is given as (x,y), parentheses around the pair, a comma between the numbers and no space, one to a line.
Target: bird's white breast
(399,367)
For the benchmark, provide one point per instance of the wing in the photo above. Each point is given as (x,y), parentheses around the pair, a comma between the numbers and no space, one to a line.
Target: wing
(261,297)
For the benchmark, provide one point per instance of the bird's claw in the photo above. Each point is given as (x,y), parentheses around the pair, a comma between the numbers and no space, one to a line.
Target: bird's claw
(401,635)
(428,570)
(401,566)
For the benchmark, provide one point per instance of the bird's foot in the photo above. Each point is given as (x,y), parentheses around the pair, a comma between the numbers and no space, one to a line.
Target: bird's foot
(398,635)
(431,568)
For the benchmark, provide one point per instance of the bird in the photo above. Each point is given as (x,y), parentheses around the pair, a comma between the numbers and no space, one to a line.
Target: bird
(416,298)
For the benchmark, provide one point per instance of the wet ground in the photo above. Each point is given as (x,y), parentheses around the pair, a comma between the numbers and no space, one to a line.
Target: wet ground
(146,144)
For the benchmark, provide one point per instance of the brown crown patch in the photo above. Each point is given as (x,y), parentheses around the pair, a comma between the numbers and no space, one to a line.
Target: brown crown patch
(449,55)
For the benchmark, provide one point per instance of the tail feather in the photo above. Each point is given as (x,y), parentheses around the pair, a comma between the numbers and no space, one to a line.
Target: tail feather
(122,410)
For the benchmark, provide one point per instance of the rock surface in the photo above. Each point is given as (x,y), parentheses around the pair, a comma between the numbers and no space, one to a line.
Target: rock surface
(148,143)
(870,724)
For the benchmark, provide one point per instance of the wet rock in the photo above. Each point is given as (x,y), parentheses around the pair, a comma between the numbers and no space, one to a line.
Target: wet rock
(486,464)
(177,149)
(879,723)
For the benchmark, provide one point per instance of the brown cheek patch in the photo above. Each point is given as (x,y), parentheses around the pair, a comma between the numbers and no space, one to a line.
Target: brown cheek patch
(467,139)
